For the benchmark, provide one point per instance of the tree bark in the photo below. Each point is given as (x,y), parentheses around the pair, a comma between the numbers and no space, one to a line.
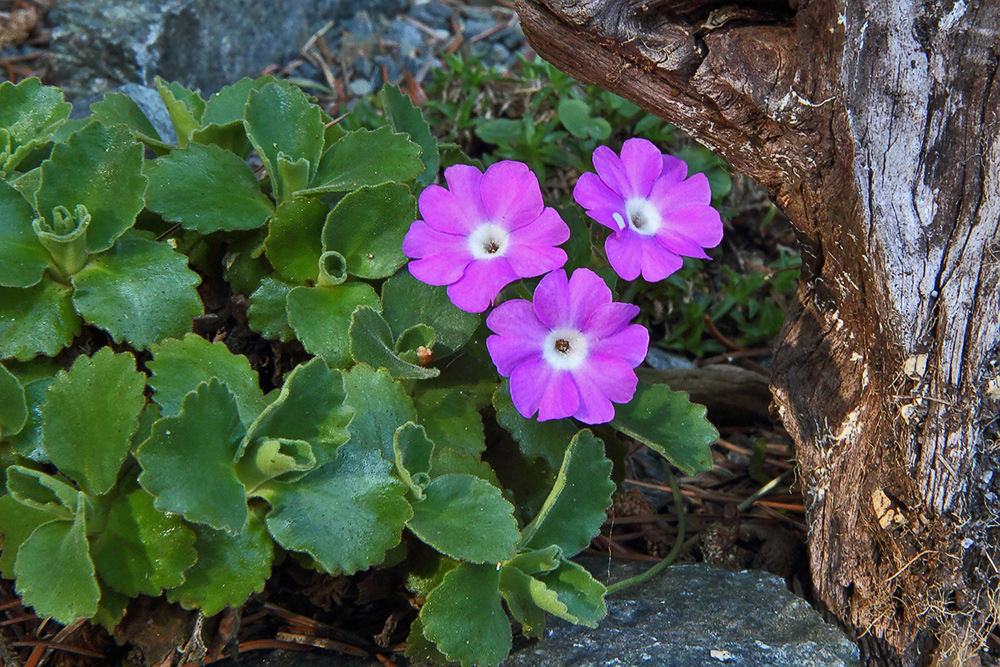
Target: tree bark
(875,124)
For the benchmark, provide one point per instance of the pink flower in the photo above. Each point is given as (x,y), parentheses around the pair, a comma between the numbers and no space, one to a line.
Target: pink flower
(484,232)
(571,352)
(657,214)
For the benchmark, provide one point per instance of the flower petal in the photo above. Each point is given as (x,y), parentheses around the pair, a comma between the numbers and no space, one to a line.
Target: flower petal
(667,196)
(674,171)
(443,211)
(511,196)
(551,300)
(587,293)
(547,229)
(643,163)
(439,269)
(561,398)
(630,344)
(609,319)
(624,250)
(658,262)
(483,280)
(516,318)
(609,168)
(679,244)
(594,407)
(508,353)
(603,377)
(528,383)
(606,217)
(701,224)
(464,181)
(422,240)
(590,192)
(529,261)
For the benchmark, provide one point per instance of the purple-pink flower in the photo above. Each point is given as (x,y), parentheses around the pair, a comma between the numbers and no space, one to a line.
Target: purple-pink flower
(570,352)
(656,213)
(483,232)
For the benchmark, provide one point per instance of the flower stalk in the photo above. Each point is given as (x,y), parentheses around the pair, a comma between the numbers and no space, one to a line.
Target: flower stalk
(65,238)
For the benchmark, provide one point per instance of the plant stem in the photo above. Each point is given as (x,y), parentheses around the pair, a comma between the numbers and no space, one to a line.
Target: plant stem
(674,552)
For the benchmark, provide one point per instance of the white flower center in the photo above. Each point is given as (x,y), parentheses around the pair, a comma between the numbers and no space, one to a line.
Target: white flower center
(565,349)
(488,241)
(642,216)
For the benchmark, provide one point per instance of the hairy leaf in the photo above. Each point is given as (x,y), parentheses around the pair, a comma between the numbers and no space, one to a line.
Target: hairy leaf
(371,343)
(30,113)
(321,318)
(184,106)
(310,407)
(413,457)
(407,302)
(17,522)
(120,109)
(101,169)
(229,569)
(367,227)
(179,366)
(366,157)
(575,507)
(404,116)
(140,292)
(451,421)
(267,313)
(89,416)
(23,257)
(465,618)
(206,189)
(294,238)
(13,407)
(142,550)
(188,463)
(346,515)
(668,423)
(547,440)
(37,320)
(41,491)
(54,572)
(466,518)
(381,406)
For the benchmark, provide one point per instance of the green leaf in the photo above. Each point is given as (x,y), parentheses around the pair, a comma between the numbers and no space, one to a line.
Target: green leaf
(294,238)
(13,406)
(365,157)
(24,257)
(367,227)
(575,117)
(140,292)
(465,618)
(206,189)
(575,507)
(111,608)
(346,515)
(466,518)
(580,594)
(321,318)
(470,372)
(40,491)
(36,320)
(451,421)
(267,314)
(229,104)
(449,462)
(28,441)
(179,366)
(264,459)
(89,416)
(54,572)
(501,131)
(413,457)
(279,119)
(229,569)
(540,560)
(188,463)
(371,343)
(17,522)
(668,423)
(310,407)
(381,406)
(407,302)
(184,106)
(30,113)
(524,596)
(548,439)
(142,550)
(120,109)
(100,168)
(405,117)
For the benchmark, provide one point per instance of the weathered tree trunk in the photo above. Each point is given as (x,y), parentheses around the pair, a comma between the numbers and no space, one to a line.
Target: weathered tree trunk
(876,126)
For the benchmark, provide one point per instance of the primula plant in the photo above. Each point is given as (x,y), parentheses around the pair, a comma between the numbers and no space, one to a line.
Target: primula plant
(215,353)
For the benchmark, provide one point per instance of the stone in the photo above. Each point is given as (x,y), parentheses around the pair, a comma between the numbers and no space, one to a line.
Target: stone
(204,44)
(686,616)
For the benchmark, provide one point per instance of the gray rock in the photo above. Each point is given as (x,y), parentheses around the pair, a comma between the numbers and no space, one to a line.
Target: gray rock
(696,616)
(432,13)
(206,44)
(687,616)
(663,361)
